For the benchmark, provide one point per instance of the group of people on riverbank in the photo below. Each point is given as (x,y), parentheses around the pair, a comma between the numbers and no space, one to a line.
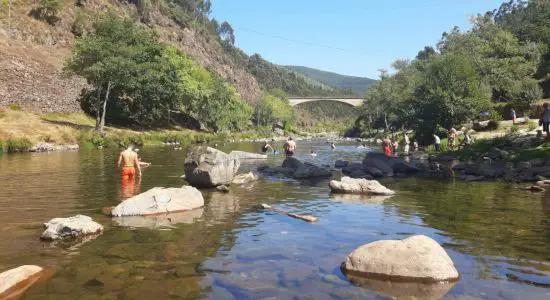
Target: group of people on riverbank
(390,146)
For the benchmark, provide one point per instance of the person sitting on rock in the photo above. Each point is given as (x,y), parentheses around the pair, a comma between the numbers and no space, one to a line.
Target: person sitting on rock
(289,147)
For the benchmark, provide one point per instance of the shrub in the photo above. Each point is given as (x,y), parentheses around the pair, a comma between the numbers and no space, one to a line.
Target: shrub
(18,145)
(514,128)
(493,125)
(1,146)
(15,107)
(98,141)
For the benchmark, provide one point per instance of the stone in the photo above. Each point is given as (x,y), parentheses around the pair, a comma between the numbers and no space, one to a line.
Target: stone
(160,221)
(480,125)
(246,155)
(292,163)
(417,258)
(360,174)
(471,178)
(160,200)
(307,170)
(352,167)
(378,161)
(245,178)
(536,189)
(341,164)
(349,185)
(309,219)
(280,170)
(485,170)
(404,167)
(543,182)
(222,188)
(71,227)
(207,167)
(374,172)
(15,281)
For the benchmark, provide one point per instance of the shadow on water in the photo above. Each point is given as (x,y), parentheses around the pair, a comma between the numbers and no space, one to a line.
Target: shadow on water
(497,235)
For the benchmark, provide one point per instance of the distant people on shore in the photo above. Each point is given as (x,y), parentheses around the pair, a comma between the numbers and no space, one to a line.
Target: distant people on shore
(407,142)
(387,146)
(451,138)
(545,119)
(394,145)
(513,116)
(437,143)
(466,141)
(289,147)
(415,145)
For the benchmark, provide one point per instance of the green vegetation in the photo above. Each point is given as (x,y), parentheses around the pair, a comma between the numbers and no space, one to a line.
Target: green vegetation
(139,81)
(273,110)
(351,85)
(18,145)
(495,66)
(325,116)
(15,107)
(1,146)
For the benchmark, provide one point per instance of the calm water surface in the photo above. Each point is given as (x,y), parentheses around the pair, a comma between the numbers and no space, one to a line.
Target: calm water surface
(497,235)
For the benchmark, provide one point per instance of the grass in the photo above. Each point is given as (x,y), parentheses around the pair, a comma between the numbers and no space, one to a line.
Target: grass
(1,146)
(18,145)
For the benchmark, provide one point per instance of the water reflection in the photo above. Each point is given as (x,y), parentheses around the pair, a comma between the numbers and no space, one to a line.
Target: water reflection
(497,235)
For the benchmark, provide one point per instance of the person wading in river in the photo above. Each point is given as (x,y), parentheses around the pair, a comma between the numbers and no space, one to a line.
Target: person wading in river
(129,162)
(266,147)
(387,146)
(289,147)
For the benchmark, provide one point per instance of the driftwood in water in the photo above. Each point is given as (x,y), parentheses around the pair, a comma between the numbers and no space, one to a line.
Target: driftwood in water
(307,218)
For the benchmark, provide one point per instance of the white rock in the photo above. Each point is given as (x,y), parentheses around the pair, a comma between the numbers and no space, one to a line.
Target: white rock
(160,201)
(13,282)
(349,185)
(79,225)
(245,178)
(417,258)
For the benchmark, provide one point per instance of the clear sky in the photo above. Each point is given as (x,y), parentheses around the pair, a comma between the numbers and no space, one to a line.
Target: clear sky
(353,37)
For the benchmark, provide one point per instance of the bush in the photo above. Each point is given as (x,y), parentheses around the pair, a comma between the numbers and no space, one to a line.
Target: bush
(493,125)
(15,107)
(18,145)
(98,141)
(514,128)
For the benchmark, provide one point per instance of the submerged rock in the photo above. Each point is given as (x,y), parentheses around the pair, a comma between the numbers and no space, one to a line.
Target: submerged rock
(349,185)
(246,155)
(417,258)
(207,167)
(161,221)
(71,227)
(160,201)
(222,188)
(15,281)
(245,178)
(308,170)
(341,163)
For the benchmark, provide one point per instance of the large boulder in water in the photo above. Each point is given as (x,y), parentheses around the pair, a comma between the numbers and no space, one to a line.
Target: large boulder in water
(307,170)
(72,227)
(13,282)
(292,163)
(246,155)
(207,167)
(160,201)
(378,161)
(417,258)
(349,185)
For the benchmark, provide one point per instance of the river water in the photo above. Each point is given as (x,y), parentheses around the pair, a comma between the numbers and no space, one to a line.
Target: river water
(497,235)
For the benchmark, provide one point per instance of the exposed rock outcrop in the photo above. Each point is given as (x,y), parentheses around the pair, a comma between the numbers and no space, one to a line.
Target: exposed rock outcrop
(160,201)
(206,167)
(245,178)
(417,258)
(246,155)
(71,227)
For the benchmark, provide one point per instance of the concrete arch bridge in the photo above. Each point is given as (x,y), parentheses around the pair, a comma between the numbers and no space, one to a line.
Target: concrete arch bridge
(293,101)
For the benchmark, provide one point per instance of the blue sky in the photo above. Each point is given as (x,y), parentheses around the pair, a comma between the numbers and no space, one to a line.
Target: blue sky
(353,37)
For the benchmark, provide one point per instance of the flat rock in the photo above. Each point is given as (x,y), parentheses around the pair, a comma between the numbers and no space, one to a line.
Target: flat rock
(417,258)
(160,201)
(15,281)
(160,221)
(245,178)
(349,185)
(71,227)
(341,163)
(307,170)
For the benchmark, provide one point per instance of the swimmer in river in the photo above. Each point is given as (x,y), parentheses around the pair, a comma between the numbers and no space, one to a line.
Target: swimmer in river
(289,146)
(266,147)
(332,145)
(312,153)
(129,162)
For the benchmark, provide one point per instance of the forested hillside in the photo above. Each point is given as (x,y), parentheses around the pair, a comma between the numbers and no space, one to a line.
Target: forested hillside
(357,85)
(501,63)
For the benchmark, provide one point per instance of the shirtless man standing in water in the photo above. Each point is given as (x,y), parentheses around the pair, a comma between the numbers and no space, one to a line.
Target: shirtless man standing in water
(289,147)
(129,161)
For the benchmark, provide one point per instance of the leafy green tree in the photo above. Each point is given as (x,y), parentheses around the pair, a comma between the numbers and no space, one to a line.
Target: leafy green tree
(124,65)
(271,110)
(227,35)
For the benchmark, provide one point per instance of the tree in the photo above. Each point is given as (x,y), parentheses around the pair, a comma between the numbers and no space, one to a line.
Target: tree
(124,65)
(227,34)
(271,110)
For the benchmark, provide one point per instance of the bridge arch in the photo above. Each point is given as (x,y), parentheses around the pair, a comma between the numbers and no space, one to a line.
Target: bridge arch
(349,101)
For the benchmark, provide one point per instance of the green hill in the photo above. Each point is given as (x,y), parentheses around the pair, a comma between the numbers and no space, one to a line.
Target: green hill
(358,85)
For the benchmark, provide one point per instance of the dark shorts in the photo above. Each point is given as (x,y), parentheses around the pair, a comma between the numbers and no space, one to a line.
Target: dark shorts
(289,153)
(545,126)
(437,147)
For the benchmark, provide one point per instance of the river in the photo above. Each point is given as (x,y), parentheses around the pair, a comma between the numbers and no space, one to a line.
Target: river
(497,235)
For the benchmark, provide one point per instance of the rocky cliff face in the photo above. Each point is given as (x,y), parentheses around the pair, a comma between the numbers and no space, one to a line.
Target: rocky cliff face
(32,53)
